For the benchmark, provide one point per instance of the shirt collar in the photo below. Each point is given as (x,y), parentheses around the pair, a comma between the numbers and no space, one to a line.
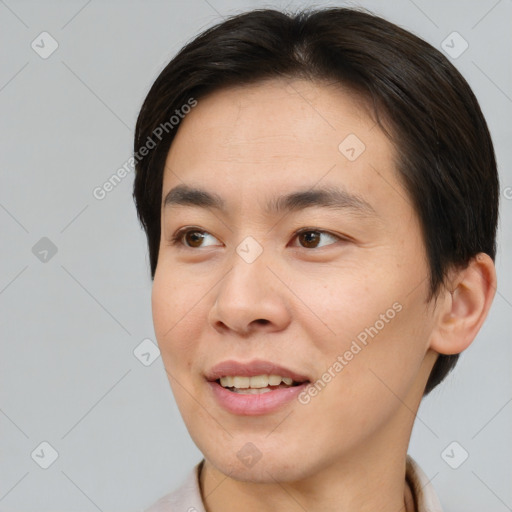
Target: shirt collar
(187,497)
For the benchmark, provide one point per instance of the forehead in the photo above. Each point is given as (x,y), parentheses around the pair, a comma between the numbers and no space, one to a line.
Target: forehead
(277,114)
(253,142)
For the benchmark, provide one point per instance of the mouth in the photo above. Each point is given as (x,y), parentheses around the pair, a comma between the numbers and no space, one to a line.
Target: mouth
(256,387)
(255,374)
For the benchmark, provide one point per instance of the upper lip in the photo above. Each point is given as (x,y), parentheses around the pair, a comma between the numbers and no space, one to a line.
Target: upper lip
(251,369)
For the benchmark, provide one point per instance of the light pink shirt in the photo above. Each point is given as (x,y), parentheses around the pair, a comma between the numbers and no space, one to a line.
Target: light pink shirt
(187,497)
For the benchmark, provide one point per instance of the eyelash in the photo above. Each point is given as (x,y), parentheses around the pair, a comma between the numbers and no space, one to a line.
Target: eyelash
(178,237)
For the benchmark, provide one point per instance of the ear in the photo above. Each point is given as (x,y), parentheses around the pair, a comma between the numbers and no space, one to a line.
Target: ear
(467,301)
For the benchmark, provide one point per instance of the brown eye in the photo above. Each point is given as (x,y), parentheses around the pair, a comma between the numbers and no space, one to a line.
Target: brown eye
(310,238)
(193,238)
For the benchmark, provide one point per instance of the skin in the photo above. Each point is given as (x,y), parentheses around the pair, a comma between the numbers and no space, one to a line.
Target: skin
(346,448)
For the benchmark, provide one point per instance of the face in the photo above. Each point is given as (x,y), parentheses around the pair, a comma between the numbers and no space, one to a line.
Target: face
(328,288)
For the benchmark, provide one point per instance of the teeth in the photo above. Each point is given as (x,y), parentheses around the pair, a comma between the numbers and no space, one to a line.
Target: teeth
(256,382)
(227,382)
(274,380)
(241,382)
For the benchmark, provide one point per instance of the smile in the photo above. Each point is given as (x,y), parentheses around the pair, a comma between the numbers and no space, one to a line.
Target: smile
(255,385)
(254,388)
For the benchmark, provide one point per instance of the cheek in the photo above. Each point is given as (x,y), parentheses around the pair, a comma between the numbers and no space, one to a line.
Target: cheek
(371,381)
(372,321)
(174,299)
(174,309)
(173,319)
(389,364)
(162,305)
(340,301)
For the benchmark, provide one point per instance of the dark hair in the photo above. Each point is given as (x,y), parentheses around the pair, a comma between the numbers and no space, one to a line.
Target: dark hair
(445,156)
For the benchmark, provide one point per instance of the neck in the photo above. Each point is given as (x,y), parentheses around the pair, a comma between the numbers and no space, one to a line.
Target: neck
(370,478)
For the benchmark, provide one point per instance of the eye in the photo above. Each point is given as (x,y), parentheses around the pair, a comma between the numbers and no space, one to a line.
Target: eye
(311,237)
(193,237)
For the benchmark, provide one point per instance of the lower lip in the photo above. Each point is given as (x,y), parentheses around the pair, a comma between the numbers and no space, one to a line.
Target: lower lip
(252,405)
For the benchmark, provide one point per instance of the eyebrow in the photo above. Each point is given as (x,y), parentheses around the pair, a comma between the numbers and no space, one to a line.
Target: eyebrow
(330,197)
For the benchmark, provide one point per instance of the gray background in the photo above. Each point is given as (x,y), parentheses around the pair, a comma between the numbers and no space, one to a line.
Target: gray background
(70,323)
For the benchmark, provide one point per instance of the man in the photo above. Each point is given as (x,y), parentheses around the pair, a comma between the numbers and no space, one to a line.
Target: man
(320,198)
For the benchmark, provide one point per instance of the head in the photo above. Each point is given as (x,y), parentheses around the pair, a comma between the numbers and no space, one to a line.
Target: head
(266,105)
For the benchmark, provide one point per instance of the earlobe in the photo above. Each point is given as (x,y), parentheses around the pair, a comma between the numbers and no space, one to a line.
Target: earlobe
(465,306)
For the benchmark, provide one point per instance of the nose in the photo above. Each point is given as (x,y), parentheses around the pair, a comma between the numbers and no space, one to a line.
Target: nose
(250,297)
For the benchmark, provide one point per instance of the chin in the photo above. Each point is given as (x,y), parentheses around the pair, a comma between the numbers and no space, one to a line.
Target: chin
(263,468)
